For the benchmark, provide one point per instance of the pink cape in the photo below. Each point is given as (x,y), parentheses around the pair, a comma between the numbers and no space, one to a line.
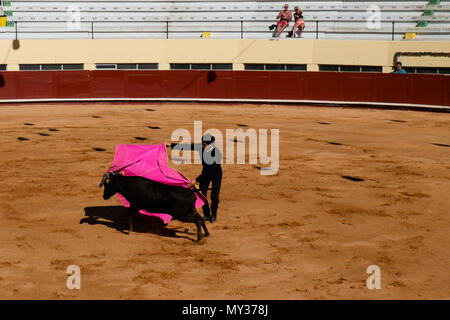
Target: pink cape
(149,161)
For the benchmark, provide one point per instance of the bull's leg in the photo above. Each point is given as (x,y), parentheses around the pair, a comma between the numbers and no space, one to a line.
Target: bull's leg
(202,221)
(204,228)
(194,217)
(198,223)
(131,213)
(184,214)
(198,220)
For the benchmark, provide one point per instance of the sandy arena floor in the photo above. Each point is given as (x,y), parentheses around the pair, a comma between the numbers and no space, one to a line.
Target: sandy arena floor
(304,233)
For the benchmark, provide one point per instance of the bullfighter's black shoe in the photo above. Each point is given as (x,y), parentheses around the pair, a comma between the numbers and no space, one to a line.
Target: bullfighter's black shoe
(214,214)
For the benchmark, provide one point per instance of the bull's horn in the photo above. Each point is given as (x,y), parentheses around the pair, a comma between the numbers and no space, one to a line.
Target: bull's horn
(103,180)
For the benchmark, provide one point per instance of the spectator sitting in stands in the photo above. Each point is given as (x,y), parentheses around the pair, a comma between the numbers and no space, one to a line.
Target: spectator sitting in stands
(299,23)
(285,16)
(398,68)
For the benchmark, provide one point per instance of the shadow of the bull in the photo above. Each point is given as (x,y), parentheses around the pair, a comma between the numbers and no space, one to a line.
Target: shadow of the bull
(115,217)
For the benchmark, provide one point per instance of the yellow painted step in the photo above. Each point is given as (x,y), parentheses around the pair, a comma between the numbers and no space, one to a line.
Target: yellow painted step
(410,35)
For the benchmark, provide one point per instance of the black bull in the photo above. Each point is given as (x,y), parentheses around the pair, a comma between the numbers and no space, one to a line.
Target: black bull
(153,196)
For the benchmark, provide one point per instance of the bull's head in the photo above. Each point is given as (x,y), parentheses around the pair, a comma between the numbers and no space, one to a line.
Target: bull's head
(108,181)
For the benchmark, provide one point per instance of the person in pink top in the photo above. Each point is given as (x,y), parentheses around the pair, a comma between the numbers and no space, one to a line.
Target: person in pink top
(299,23)
(284,17)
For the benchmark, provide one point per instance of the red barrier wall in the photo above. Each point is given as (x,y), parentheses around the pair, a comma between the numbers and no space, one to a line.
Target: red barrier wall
(322,86)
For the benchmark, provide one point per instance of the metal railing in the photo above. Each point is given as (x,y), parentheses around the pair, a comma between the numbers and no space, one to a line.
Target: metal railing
(241,28)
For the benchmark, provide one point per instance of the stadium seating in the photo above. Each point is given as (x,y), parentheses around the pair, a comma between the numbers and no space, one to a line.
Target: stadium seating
(32,19)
